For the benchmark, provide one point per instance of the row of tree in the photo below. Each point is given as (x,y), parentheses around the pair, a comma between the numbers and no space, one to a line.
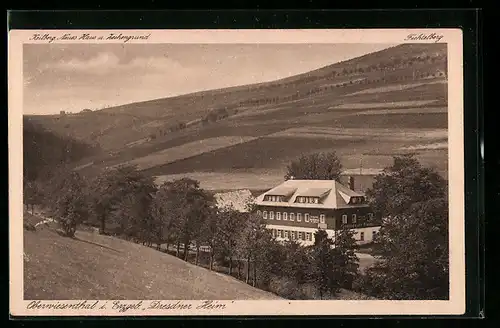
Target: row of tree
(180,215)
(412,244)
(389,78)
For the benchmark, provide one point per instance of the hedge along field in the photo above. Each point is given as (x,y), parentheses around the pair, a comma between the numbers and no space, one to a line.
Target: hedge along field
(398,87)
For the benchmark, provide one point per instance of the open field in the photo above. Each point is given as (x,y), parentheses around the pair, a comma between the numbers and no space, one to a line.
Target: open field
(252,180)
(186,150)
(374,148)
(92,266)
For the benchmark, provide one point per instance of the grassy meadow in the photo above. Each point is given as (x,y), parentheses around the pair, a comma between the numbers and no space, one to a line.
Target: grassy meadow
(92,266)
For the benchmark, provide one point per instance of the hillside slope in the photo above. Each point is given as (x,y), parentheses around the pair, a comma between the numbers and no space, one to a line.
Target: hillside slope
(117,126)
(100,267)
(367,109)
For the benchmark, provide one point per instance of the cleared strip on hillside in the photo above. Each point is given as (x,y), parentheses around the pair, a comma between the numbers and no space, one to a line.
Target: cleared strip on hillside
(398,87)
(187,150)
(420,110)
(395,104)
(353,133)
(431,146)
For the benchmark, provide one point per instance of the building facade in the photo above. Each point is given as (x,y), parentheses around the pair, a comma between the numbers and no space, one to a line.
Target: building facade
(296,209)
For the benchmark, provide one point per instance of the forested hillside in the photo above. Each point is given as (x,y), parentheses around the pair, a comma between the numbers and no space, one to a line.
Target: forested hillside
(44,150)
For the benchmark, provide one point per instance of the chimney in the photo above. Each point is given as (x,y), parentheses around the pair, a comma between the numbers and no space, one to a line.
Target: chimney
(351,182)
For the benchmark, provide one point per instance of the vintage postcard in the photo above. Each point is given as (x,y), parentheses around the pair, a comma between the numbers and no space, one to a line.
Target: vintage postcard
(236,172)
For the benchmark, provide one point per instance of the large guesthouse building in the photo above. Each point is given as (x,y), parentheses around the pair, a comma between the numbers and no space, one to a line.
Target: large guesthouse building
(296,209)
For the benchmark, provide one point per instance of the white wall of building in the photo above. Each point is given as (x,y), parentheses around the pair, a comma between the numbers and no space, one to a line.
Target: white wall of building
(368,233)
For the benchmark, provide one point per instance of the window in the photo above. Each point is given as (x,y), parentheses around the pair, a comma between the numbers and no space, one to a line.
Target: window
(285,216)
(308,236)
(259,212)
(271,215)
(370,216)
(278,215)
(286,234)
(374,234)
(301,235)
(362,236)
(299,217)
(293,235)
(306,217)
(316,200)
(280,233)
(264,214)
(344,219)
(274,233)
(321,218)
(292,217)
(354,218)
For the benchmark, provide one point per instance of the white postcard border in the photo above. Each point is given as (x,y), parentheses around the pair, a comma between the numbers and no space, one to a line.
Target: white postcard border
(453,38)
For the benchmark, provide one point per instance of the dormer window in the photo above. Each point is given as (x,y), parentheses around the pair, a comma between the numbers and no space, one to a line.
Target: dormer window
(357,200)
(307,200)
(274,198)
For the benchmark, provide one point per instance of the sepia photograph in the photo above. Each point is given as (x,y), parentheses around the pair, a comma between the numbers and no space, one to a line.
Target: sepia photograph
(243,171)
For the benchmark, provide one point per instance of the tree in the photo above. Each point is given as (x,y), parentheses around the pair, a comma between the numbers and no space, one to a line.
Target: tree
(32,194)
(317,166)
(346,262)
(111,187)
(247,242)
(414,251)
(322,264)
(211,236)
(71,204)
(413,240)
(296,263)
(133,212)
(404,183)
(252,243)
(164,222)
(228,233)
(187,207)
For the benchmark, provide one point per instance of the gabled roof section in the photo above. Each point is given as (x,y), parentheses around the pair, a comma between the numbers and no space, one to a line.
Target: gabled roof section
(332,194)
